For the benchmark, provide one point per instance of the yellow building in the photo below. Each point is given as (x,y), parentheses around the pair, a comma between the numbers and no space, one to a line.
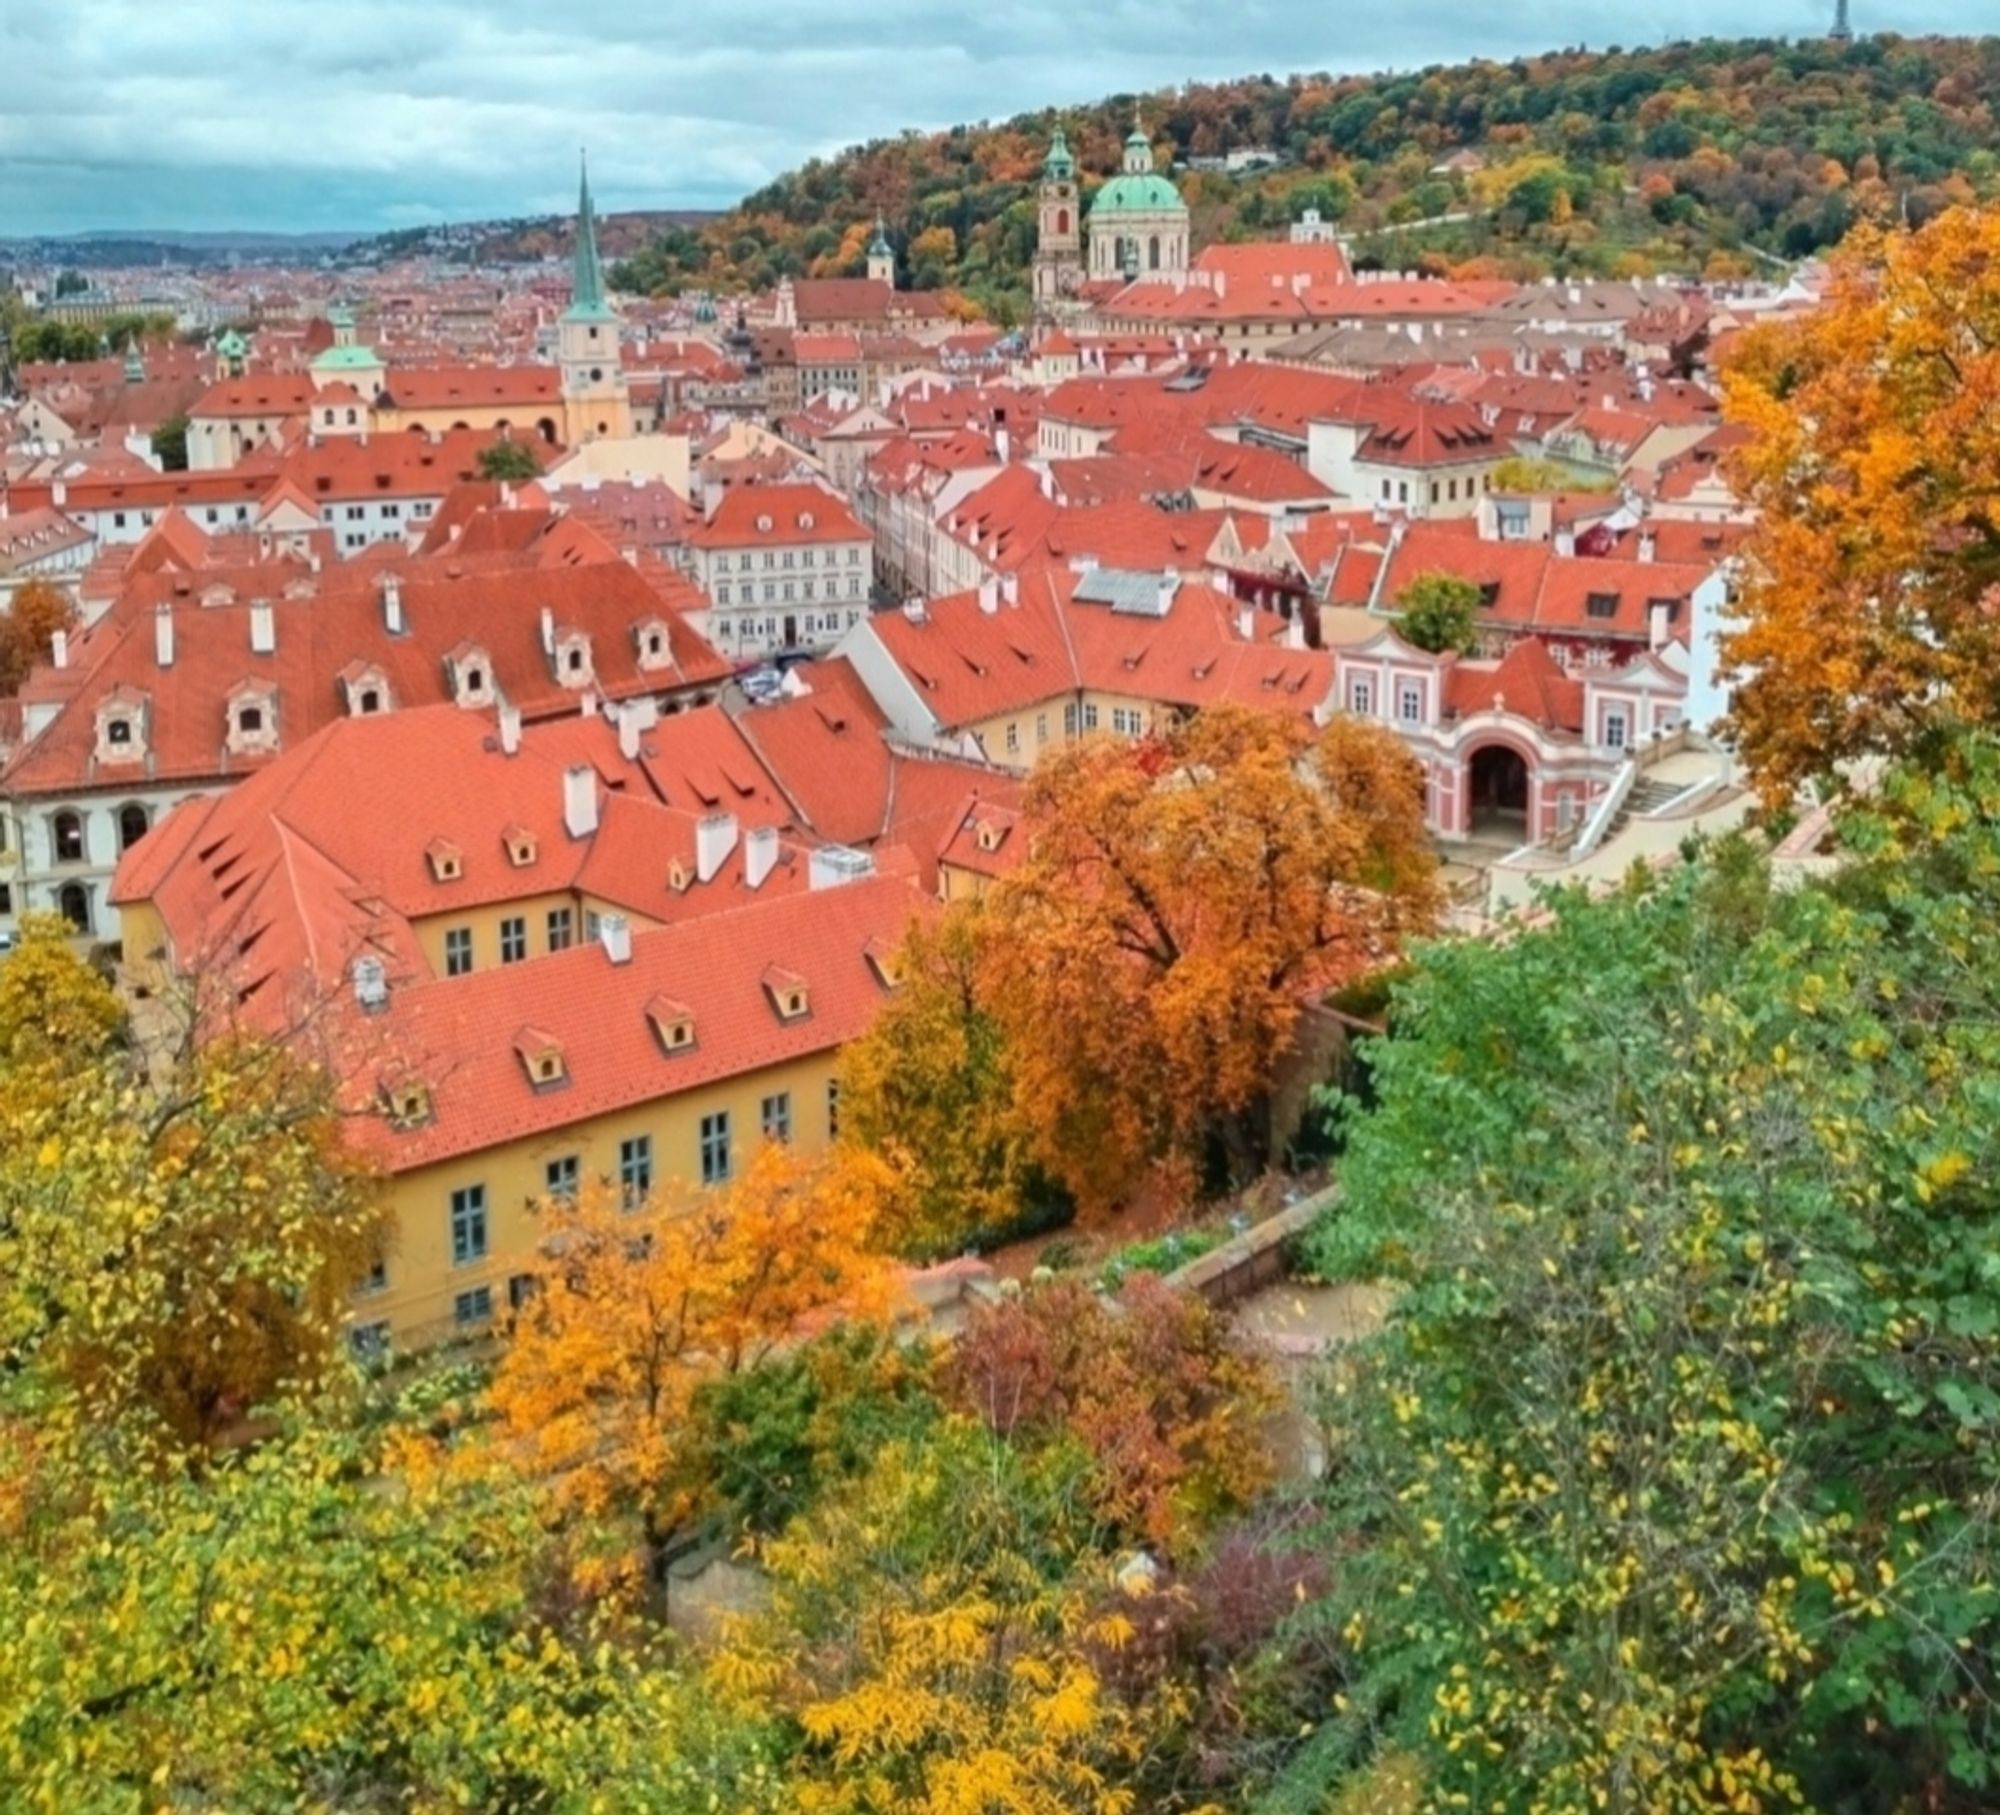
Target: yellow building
(562,955)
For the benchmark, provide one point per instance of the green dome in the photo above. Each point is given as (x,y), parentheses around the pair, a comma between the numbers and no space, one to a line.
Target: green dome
(1149,194)
(346,359)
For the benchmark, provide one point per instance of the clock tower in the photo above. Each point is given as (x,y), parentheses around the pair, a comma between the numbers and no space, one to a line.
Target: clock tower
(1058,268)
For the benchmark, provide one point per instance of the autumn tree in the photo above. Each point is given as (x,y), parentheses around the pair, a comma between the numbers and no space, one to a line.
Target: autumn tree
(1439,611)
(1670,1483)
(1183,897)
(931,1635)
(180,1223)
(633,1310)
(930,1088)
(1166,1402)
(28,629)
(1869,613)
(304,1625)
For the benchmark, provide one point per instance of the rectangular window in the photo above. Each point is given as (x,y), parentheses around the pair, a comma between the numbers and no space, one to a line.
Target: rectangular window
(468,1225)
(1013,736)
(1360,697)
(1041,727)
(562,929)
(1069,719)
(377,1280)
(369,1342)
(457,951)
(1090,715)
(471,1308)
(1614,730)
(715,1147)
(778,1117)
(513,939)
(559,1176)
(1409,702)
(521,1287)
(833,1110)
(635,1169)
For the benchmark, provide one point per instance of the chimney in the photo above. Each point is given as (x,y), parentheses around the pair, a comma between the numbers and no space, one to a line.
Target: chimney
(989,595)
(1010,588)
(760,854)
(1170,583)
(1246,623)
(616,933)
(163,634)
(1658,613)
(510,729)
(59,493)
(1565,543)
(833,865)
(580,800)
(548,631)
(628,736)
(913,610)
(1295,630)
(371,984)
(1648,546)
(263,628)
(59,648)
(714,839)
(1002,445)
(392,604)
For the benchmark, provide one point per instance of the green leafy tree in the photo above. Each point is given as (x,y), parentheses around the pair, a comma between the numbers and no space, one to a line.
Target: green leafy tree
(1671,1482)
(1439,611)
(170,443)
(508,460)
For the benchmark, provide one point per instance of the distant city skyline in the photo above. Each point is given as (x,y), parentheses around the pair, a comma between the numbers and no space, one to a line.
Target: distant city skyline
(367,115)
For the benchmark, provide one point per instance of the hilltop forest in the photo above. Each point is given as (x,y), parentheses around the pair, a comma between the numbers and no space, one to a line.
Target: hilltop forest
(1711,157)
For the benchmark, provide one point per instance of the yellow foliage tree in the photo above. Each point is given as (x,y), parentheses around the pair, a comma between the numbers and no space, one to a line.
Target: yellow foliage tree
(632,1310)
(1869,611)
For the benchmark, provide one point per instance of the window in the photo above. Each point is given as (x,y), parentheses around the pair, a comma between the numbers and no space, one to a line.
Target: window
(562,929)
(1360,697)
(1069,719)
(474,1307)
(513,939)
(1013,736)
(778,1117)
(1041,727)
(1090,715)
(1127,722)
(468,1224)
(521,1287)
(1601,605)
(369,1342)
(376,1281)
(635,1169)
(833,1110)
(119,731)
(1410,702)
(559,1176)
(131,826)
(457,951)
(66,830)
(250,720)
(715,1147)
(1614,729)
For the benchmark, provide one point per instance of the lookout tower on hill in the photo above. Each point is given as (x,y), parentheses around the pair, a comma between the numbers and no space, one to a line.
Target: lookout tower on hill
(1842,32)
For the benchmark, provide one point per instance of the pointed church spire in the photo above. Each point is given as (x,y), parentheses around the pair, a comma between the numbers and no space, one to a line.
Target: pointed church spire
(587,281)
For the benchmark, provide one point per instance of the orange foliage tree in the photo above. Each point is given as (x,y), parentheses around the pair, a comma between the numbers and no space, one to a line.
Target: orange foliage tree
(1182,898)
(27,630)
(633,1310)
(1871,599)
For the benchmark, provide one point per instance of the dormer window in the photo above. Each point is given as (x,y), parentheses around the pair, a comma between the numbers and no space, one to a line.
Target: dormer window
(371,699)
(541,1058)
(885,961)
(252,721)
(787,991)
(367,690)
(805,519)
(1601,605)
(650,636)
(446,860)
(763,526)
(471,672)
(572,658)
(119,731)
(672,1023)
(520,843)
(408,1102)
(990,836)
(678,877)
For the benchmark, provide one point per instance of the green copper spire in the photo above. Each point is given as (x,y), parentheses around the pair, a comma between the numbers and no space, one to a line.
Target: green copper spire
(1059,166)
(879,246)
(587,285)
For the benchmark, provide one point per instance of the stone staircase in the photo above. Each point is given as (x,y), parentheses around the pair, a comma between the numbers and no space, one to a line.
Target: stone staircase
(1648,796)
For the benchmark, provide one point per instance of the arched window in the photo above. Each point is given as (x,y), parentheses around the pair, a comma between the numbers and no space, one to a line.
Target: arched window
(1153,253)
(547,429)
(1062,220)
(132,825)
(73,903)
(66,831)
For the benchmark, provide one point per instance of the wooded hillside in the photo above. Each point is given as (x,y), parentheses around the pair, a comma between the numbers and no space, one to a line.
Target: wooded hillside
(1699,156)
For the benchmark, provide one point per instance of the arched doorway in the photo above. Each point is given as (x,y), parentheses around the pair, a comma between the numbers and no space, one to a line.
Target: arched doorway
(547,429)
(1498,774)
(73,903)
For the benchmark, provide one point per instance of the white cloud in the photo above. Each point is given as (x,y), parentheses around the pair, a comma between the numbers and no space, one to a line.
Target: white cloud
(363,113)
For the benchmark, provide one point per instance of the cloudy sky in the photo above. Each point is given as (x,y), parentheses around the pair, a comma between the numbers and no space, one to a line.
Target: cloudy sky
(311,114)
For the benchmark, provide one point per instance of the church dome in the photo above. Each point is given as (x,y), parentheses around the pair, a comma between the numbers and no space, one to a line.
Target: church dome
(1147,194)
